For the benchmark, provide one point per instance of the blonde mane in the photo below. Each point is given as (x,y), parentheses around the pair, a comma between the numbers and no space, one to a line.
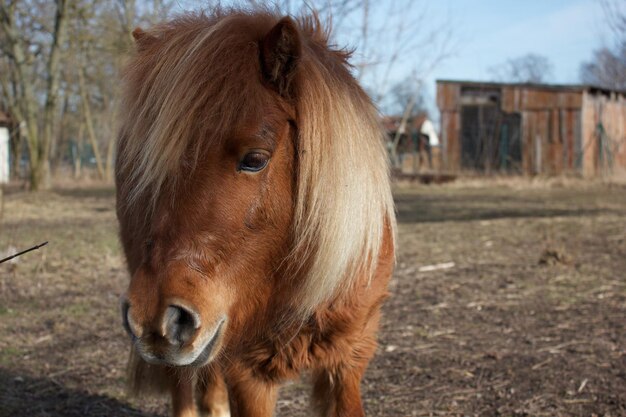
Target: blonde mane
(344,198)
(343,206)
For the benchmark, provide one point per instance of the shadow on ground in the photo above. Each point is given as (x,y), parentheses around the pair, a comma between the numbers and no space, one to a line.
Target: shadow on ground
(413,208)
(28,396)
(104,192)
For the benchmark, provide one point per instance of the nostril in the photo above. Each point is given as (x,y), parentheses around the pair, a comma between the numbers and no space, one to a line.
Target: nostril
(125,319)
(180,324)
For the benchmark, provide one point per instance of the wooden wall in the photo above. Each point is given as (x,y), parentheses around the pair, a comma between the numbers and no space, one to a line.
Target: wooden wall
(603,134)
(559,127)
(448,99)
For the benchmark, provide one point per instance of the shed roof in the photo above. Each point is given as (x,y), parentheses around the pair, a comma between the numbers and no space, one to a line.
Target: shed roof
(542,86)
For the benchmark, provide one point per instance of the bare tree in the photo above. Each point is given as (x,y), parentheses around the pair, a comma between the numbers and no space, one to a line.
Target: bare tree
(36,38)
(101,37)
(29,58)
(529,68)
(607,67)
(408,37)
(59,107)
(615,17)
(402,93)
(408,100)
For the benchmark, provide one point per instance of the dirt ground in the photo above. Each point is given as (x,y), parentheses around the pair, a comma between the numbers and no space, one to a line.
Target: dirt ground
(509,299)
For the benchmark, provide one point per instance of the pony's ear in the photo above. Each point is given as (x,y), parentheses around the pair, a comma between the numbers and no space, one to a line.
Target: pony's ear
(142,38)
(280,52)
(138,34)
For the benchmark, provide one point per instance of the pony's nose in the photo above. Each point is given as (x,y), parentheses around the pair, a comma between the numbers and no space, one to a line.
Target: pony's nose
(180,324)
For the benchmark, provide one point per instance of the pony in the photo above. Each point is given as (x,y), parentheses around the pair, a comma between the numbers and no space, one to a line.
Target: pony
(255,214)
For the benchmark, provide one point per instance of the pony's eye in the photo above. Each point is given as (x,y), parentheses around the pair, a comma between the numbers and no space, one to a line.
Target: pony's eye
(254,161)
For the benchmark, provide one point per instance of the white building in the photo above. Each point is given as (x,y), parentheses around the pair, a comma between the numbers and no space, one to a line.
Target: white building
(4,149)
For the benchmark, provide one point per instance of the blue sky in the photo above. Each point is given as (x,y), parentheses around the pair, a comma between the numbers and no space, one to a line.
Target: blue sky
(485,33)
(565,31)
(489,32)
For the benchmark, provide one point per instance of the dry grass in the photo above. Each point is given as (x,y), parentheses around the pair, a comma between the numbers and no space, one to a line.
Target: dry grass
(499,333)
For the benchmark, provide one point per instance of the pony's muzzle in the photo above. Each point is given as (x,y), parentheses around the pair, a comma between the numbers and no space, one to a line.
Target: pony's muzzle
(176,337)
(178,324)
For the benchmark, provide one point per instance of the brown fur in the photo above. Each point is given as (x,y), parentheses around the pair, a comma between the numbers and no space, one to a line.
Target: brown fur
(295,258)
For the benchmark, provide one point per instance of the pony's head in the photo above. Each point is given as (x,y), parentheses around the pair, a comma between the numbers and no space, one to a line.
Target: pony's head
(251,176)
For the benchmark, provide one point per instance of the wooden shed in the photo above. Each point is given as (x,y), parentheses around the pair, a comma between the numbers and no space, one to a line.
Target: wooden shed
(532,128)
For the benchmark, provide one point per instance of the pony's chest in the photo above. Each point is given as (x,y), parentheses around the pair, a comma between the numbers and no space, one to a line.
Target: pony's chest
(277,358)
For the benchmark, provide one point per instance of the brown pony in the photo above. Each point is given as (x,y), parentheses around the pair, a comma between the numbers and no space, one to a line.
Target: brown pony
(255,214)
